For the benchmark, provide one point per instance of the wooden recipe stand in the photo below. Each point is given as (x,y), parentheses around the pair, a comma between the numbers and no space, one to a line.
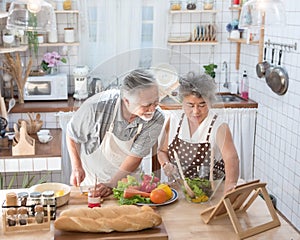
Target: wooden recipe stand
(239,200)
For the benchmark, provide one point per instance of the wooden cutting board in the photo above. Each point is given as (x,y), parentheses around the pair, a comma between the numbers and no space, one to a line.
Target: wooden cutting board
(157,233)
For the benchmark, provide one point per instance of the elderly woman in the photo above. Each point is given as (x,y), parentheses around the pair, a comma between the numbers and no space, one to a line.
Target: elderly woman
(197,135)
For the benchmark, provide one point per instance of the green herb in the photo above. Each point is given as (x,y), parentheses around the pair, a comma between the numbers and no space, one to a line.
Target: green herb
(200,186)
(210,69)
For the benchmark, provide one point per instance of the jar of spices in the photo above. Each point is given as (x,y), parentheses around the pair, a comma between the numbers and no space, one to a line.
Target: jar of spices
(35,198)
(191,5)
(11,217)
(49,200)
(22,216)
(22,196)
(67,5)
(39,213)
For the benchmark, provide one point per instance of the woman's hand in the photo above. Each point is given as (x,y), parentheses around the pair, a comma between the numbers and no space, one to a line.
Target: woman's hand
(170,169)
(77,176)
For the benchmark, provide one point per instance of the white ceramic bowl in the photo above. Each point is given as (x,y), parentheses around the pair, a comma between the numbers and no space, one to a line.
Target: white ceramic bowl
(56,187)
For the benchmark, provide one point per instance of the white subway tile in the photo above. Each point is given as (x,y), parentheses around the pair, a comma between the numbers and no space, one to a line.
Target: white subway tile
(12,165)
(40,164)
(26,164)
(54,163)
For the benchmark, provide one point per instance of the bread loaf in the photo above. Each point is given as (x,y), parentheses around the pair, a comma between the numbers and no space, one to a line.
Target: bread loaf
(124,218)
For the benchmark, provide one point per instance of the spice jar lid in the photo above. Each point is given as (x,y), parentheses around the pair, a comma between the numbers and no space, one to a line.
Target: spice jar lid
(12,211)
(22,210)
(23,195)
(38,208)
(35,194)
(48,194)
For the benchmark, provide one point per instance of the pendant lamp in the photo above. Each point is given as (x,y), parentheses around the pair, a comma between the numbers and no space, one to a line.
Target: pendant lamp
(259,13)
(31,15)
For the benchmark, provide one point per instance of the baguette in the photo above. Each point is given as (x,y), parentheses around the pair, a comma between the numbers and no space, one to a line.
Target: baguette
(124,218)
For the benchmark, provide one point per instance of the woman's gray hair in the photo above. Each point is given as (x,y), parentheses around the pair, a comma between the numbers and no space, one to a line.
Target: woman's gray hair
(201,86)
(137,80)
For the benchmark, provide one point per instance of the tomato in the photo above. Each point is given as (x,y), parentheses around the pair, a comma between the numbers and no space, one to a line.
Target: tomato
(158,196)
(167,189)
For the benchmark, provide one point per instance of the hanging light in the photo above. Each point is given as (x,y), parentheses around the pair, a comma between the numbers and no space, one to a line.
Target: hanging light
(258,13)
(31,15)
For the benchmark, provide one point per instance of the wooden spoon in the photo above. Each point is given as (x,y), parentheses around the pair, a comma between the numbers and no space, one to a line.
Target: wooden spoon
(186,185)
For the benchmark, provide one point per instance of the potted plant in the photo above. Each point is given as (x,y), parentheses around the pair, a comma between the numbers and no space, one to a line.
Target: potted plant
(210,69)
(50,62)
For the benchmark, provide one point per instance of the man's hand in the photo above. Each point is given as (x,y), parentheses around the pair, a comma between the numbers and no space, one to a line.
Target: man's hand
(170,169)
(104,189)
(77,176)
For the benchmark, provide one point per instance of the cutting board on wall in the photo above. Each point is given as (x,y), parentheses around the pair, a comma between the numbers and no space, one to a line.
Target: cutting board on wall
(157,233)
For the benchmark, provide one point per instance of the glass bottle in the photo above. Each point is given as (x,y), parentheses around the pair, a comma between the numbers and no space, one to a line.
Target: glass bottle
(245,86)
(39,213)
(191,5)
(11,217)
(22,216)
(208,4)
(94,198)
(49,200)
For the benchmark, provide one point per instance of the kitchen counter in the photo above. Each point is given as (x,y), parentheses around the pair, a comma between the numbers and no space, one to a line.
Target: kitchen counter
(50,149)
(72,105)
(181,220)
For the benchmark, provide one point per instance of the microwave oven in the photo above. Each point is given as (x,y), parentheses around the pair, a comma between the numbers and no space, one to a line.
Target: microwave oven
(48,87)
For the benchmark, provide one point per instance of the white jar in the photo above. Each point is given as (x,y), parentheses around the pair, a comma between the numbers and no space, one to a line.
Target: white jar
(40,38)
(52,36)
(69,35)
(235,34)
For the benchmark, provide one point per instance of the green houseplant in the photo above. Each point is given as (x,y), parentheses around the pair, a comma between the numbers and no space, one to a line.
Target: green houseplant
(210,69)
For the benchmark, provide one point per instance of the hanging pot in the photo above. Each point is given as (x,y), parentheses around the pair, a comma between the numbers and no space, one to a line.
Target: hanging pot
(262,66)
(278,79)
(271,66)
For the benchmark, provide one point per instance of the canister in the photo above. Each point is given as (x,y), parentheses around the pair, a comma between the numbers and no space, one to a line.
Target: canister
(69,35)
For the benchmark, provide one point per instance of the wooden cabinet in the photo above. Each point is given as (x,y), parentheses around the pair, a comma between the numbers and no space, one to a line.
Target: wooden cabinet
(259,42)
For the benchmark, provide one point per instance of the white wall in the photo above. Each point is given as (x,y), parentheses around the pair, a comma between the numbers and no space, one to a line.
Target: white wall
(277,143)
(277,147)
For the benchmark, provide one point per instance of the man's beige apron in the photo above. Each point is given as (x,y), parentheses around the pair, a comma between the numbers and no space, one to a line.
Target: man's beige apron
(106,160)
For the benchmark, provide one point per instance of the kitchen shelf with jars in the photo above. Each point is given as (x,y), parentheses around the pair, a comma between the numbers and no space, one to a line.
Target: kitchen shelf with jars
(250,38)
(184,30)
(65,35)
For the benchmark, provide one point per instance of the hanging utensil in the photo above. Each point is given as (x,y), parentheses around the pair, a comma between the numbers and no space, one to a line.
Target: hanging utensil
(187,187)
(11,104)
(278,79)
(270,68)
(262,66)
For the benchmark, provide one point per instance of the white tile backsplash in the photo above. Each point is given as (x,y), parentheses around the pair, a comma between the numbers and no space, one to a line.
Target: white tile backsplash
(12,165)
(26,164)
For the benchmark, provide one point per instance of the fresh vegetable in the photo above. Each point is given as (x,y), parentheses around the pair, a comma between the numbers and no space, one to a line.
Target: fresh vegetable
(131,192)
(131,183)
(201,187)
(149,183)
(167,190)
(158,196)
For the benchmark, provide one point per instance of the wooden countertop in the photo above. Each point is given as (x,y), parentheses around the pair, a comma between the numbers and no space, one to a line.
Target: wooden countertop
(181,220)
(72,105)
(50,149)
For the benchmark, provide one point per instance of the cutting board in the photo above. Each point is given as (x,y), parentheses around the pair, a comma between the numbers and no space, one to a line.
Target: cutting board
(157,233)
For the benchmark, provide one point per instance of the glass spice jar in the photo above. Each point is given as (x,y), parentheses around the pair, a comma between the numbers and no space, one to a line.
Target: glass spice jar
(22,196)
(67,5)
(11,217)
(39,213)
(35,198)
(22,216)
(49,200)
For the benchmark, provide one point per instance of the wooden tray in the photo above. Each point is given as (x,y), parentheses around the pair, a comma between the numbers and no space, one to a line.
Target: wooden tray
(157,233)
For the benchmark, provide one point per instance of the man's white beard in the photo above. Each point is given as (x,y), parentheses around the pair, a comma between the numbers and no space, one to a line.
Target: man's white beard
(145,118)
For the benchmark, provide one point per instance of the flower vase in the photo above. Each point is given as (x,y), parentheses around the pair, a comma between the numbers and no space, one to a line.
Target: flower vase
(53,70)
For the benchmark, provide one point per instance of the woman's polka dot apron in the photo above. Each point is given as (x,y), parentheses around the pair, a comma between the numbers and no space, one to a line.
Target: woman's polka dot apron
(191,155)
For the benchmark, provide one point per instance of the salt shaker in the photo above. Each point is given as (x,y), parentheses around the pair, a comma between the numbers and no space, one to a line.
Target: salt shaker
(11,217)
(39,213)
(22,216)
